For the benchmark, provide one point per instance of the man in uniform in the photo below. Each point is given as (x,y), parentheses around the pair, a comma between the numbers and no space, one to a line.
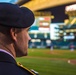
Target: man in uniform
(15,22)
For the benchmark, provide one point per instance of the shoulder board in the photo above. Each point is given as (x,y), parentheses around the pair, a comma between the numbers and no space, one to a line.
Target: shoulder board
(20,65)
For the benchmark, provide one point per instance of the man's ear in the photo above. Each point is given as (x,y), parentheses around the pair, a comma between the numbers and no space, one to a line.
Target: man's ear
(13,34)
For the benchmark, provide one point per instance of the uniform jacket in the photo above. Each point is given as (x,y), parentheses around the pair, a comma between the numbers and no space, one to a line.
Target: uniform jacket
(8,66)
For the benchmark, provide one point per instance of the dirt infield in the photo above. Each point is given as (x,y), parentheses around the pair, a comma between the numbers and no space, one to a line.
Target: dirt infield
(72,61)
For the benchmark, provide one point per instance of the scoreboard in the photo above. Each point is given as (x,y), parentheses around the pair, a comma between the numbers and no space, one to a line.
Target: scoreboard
(42,22)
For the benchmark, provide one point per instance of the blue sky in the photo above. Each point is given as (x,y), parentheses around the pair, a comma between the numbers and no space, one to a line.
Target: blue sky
(11,1)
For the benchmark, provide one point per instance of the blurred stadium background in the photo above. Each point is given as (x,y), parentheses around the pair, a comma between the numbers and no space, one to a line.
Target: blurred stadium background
(55,24)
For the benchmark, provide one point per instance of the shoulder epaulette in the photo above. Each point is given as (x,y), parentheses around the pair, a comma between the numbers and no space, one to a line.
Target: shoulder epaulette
(30,71)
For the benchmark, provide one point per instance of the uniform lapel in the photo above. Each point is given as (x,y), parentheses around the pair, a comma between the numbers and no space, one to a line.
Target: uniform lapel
(4,57)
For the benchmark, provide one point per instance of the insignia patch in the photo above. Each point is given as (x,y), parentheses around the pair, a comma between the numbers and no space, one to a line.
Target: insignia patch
(30,71)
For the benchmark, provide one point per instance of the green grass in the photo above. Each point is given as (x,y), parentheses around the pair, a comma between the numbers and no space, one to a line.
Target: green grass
(48,62)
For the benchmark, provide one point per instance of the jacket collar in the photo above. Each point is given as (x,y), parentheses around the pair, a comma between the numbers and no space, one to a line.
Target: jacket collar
(4,57)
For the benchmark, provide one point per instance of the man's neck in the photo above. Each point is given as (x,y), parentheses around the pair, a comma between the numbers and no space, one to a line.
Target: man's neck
(8,48)
(1,50)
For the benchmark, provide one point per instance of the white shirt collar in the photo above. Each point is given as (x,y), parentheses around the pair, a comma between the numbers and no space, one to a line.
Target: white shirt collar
(1,50)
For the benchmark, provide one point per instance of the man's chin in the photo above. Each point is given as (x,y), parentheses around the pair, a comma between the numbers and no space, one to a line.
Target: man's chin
(20,55)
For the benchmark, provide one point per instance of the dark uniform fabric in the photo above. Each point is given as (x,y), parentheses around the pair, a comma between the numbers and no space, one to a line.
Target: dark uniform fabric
(8,66)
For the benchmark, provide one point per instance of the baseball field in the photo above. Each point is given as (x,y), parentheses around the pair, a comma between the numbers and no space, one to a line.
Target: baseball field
(47,62)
